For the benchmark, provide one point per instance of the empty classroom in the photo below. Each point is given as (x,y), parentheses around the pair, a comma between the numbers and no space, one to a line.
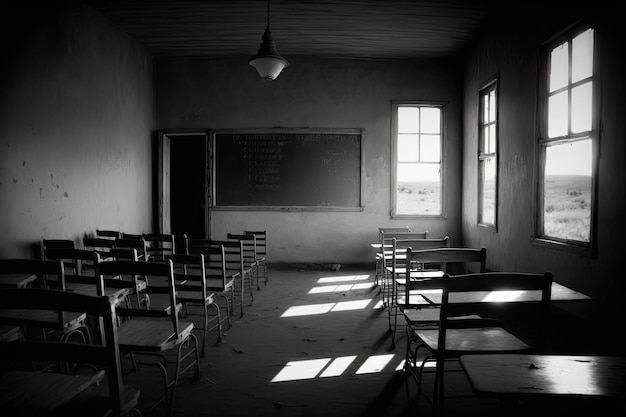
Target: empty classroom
(297,153)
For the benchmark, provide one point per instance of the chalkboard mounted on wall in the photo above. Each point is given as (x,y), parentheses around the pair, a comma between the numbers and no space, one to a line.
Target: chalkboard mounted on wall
(287,169)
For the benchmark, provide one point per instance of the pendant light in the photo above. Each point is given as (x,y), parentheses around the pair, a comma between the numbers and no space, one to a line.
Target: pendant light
(267,61)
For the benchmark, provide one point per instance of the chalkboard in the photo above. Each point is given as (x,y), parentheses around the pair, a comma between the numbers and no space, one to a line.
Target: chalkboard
(287,169)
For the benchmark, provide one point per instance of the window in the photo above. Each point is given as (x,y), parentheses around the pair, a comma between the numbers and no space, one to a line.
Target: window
(417,139)
(565,194)
(487,155)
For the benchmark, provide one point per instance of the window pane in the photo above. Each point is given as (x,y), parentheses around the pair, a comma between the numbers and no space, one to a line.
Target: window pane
(429,148)
(581,108)
(582,56)
(557,115)
(559,67)
(419,189)
(485,99)
(485,140)
(492,106)
(488,176)
(492,138)
(430,120)
(408,148)
(408,120)
(567,191)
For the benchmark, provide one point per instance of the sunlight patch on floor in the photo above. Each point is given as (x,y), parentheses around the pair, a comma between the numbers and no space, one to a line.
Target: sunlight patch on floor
(328,367)
(297,370)
(374,364)
(345,278)
(341,288)
(312,309)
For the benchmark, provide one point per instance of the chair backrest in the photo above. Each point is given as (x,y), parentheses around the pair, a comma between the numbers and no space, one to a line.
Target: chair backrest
(439,258)
(56,244)
(50,273)
(233,252)
(389,230)
(261,241)
(400,243)
(190,272)
(250,254)
(105,354)
(463,259)
(477,293)
(99,244)
(125,235)
(109,234)
(121,254)
(132,243)
(81,263)
(159,245)
(160,272)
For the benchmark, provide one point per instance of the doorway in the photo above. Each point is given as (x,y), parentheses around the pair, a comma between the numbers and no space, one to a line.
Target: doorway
(183,184)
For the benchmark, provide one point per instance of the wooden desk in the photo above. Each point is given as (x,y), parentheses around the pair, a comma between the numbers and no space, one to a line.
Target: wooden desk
(16,280)
(523,376)
(560,293)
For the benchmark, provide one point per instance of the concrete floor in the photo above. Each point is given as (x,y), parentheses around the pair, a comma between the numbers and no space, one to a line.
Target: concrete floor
(343,324)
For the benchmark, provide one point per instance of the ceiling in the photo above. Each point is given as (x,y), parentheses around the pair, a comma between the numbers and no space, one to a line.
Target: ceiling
(357,29)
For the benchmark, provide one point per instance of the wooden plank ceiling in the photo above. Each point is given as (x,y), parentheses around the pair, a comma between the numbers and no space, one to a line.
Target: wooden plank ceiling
(354,29)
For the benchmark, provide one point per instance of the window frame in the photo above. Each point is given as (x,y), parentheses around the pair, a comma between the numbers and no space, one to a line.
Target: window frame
(543,142)
(395,104)
(492,84)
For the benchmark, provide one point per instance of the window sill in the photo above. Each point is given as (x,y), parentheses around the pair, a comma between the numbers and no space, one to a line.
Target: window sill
(553,244)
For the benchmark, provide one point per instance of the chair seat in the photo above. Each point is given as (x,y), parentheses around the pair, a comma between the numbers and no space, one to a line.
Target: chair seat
(150,334)
(475,340)
(194,297)
(418,315)
(41,393)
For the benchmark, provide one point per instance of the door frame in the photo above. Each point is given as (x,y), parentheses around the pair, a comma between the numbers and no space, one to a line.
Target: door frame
(165,137)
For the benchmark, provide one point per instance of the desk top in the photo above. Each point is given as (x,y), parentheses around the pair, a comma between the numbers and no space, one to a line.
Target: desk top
(531,375)
(16,280)
(560,293)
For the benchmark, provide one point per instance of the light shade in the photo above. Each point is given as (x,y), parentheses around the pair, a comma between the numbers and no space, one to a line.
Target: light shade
(267,61)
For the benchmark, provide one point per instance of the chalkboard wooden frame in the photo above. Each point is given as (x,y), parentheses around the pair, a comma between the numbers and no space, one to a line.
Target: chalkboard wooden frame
(263,169)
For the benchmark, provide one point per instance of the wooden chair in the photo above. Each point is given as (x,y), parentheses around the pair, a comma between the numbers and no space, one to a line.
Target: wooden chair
(249,255)
(234,267)
(80,276)
(191,285)
(261,251)
(56,244)
(411,303)
(50,275)
(160,245)
(100,391)
(138,283)
(459,332)
(386,256)
(137,243)
(380,251)
(395,264)
(427,258)
(150,333)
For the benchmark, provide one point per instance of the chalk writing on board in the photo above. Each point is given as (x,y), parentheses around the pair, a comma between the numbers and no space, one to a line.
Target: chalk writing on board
(286,169)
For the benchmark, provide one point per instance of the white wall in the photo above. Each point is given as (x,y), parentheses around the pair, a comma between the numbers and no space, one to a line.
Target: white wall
(76,116)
